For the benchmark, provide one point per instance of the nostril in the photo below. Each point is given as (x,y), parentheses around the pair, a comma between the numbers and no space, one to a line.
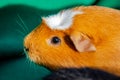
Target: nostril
(26,49)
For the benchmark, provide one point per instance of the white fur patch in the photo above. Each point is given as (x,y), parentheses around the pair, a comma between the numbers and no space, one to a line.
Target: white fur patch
(62,20)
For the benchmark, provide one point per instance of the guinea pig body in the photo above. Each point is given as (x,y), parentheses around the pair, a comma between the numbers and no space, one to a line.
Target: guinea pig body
(77,38)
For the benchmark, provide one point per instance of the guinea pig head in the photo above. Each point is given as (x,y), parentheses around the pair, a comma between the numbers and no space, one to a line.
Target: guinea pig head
(54,45)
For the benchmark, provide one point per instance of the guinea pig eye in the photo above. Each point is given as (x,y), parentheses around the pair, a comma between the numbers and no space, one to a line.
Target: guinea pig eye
(55,40)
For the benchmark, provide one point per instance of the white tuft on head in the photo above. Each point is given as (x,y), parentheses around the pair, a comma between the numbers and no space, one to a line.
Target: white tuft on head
(62,20)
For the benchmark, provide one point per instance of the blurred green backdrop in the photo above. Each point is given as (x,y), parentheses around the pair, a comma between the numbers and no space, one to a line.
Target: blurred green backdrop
(17,19)
(46,4)
(55,4)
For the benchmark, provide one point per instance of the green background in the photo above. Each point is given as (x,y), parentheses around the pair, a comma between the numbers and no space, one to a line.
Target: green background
(17,19)
(55,4)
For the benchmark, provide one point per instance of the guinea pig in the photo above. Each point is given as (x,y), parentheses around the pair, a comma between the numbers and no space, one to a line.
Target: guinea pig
(76,38)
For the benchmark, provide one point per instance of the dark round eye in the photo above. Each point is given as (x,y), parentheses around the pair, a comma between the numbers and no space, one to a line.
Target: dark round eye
(55,40)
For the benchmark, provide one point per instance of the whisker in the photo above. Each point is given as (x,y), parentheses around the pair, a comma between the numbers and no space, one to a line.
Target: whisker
(34,67)
(25,26)
(29,64)
(28,61)
(21,27)
(21,33)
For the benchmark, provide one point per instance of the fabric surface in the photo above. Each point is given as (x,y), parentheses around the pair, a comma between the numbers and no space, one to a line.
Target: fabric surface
(47,4)
(17,19)
(20,68)
(55,4)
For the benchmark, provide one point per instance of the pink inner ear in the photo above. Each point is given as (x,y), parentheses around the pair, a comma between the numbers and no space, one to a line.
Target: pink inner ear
(82,43)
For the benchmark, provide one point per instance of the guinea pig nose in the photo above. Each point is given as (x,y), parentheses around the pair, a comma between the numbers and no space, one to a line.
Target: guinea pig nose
(26,49)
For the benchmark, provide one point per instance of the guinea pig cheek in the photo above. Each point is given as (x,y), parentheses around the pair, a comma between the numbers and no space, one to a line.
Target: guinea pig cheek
(38,51)
(33,53)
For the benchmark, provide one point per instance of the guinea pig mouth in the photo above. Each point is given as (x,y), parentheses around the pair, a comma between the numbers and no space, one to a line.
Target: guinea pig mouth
(26,49)
(26,52)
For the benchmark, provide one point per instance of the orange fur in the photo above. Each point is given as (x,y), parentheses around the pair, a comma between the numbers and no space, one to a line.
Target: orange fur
(100,24)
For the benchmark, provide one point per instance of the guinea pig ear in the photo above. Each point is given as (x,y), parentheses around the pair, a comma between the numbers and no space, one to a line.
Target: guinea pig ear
(82,42)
